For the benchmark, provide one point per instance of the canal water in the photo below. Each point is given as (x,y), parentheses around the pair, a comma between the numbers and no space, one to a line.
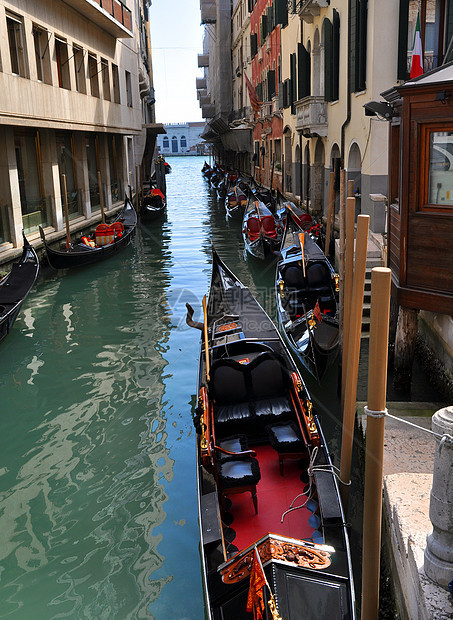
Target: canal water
(98,508)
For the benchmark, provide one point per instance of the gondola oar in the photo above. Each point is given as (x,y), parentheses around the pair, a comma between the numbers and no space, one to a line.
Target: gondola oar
(66,210)
(302,246)
(206,339)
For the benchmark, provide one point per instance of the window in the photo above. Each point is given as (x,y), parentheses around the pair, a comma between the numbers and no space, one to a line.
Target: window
(331,39)
(165,142)
(93,75)
(128,89)
(41,40)
(93,167)
(105,79)
(174,144)
(183,142)
(437,151)
(115,182)
(35,207)
(16,40)
(359,14)
(436,30)
(66,166)
(79,67)
(61,52)
(116,84)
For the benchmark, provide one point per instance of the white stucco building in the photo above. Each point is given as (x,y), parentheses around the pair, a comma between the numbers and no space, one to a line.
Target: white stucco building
(182,139)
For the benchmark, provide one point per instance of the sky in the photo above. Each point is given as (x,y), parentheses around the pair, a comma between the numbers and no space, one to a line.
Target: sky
(176,41)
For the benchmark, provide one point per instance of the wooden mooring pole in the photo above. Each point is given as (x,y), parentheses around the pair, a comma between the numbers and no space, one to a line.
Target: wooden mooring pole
(348,278)
(355,325)
(101,197)
(66,210)
(377,388)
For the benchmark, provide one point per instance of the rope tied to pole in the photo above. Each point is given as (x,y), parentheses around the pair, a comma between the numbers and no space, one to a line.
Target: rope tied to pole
(445,438)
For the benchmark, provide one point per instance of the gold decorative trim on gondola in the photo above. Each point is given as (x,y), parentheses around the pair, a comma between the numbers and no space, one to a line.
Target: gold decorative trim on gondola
(291,553)
(203,404)
(306,408)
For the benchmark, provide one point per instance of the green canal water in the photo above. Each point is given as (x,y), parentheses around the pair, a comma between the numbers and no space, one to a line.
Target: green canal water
(98,508)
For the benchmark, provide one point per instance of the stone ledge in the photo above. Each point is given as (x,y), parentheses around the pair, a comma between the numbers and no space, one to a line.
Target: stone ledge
(406,510)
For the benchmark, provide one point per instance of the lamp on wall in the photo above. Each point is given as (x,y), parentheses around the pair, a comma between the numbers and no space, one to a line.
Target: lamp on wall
(381,109)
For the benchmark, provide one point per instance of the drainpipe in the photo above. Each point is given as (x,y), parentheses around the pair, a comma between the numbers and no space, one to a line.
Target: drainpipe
(348,113)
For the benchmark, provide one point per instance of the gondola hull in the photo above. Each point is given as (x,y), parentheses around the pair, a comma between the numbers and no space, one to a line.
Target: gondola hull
(307,300)
(152,208)
(15,287)
(80,255)
(306,559)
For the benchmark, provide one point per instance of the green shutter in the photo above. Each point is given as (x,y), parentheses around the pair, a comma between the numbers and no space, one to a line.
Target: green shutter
(362,44)
(265,31)
(270,85)
(293,82)
(354,37)
(449,33)
(280,96)
(327,25)
(335,55)
(303,73)
(402,40)
(253,44)
(250,6)
(281,12)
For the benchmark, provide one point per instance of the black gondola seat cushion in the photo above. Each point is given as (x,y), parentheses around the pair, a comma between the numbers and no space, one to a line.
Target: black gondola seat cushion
(285,437)
(229,390)
(269,386)
(235,443)
(233,473)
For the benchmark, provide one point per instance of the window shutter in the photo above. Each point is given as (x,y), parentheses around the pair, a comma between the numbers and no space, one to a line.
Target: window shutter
(362,44)
(280,96)
(304,71)
(293,83)
(402,73)
(253,44)
(270,22)
(282,12)
(270,84)
(250,6)
(335,55)
(327,24)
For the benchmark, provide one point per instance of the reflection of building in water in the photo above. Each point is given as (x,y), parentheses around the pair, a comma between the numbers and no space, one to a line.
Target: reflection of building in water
(82,485)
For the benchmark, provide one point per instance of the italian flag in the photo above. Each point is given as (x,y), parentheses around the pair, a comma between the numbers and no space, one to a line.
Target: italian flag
(417,54)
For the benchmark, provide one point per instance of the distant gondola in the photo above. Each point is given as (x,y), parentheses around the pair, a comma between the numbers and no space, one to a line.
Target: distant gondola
(259,230)
(307,300)
(266,485)
(15,286)
(108,240)
(153,205)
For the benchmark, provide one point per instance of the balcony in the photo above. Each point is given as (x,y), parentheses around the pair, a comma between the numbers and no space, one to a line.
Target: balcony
(208,111)
(208,11)
(308,9)
(200,83)
(311,116)
(202,93)
(205,101)
(110,15)
(203,60)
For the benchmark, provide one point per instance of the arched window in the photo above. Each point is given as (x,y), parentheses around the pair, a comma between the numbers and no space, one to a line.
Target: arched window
(174,144)
(165,143)
(183,142)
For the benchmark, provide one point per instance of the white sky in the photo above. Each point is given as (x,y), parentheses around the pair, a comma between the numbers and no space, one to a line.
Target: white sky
(176,41)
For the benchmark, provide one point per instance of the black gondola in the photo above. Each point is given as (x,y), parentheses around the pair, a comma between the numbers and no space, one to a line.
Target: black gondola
(257,434)
(259,230)
(307,299)
(15,286)
(153,205)
(235,202)
(86,252)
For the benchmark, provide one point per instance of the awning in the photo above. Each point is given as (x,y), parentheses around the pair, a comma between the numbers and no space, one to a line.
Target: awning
(238,140)
(154,128)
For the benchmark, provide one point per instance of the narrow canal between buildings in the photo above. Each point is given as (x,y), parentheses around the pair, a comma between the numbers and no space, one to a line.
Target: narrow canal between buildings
(98,507)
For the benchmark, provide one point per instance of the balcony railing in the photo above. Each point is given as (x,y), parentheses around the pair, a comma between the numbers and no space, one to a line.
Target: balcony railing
(203,60)
(311,115)
(208,11)
(200,83)
(111,15)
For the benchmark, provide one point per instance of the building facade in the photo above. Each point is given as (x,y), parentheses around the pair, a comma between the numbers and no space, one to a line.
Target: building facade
(76,106)
(182,139)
